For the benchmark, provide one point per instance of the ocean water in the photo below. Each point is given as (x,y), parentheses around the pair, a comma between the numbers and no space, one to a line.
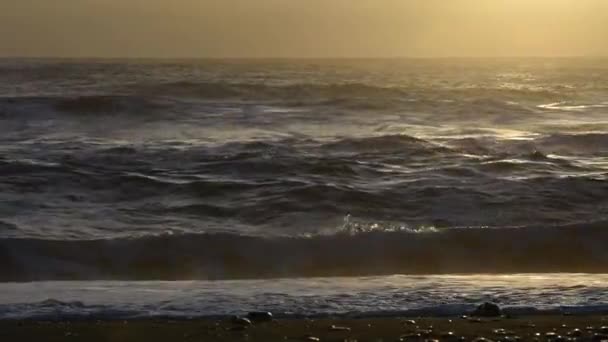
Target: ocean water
(193,176)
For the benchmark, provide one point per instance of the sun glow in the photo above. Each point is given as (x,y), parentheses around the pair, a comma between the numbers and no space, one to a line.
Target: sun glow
(314,28)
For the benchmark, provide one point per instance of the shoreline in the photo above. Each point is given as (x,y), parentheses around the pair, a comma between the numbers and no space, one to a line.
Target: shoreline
(524,328)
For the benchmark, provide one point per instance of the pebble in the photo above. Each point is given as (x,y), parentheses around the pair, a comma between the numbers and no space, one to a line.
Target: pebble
(338,328)
(575,333)
(500,332)
(514,338)
(410,322)
(424,332)
(482,339)
(241,321)
(604,330)
(452,337)
(312,338)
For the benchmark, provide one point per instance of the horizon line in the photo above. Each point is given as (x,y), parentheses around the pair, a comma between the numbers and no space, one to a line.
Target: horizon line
(303,58)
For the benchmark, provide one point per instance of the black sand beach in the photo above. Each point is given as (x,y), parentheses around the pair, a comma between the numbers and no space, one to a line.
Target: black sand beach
(532,328)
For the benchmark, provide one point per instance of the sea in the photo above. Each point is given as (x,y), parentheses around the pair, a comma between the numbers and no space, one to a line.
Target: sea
(136,189)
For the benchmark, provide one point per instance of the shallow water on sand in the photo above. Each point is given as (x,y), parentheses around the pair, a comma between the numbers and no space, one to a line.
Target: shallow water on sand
(370,296)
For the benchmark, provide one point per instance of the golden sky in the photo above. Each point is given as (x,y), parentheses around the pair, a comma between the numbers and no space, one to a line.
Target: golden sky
(303,28)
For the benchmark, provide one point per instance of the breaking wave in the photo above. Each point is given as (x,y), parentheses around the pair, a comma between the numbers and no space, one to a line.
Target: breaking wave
(230,256)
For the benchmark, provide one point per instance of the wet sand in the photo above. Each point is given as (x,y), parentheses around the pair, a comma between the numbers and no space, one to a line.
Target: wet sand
(534,328)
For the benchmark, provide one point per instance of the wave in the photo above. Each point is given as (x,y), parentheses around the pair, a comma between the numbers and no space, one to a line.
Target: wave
(582,143)
(291,183)
(230,256)
(222,89)
(384,143)
(96,104)
(572,107)
(18,107)
(209,100)
(6,226)
(142,98)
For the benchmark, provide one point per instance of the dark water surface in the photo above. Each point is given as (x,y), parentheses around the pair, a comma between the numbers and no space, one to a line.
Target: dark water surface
(232,169)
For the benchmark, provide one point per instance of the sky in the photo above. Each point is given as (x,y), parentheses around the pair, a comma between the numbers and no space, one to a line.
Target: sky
(303,28)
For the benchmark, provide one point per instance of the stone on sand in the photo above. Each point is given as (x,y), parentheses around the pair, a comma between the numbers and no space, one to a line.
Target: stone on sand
(260,316)
(338,328)
(241,321)
(487,310)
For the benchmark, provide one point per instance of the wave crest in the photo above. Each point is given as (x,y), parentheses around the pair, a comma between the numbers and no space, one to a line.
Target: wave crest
(229,256)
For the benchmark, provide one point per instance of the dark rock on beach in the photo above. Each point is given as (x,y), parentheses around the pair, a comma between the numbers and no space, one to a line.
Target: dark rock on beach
(241,321)
(487,310)
(258,317)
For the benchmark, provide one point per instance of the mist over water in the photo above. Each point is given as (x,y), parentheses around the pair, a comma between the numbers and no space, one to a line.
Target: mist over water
(241,169)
